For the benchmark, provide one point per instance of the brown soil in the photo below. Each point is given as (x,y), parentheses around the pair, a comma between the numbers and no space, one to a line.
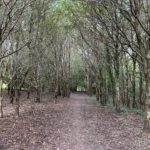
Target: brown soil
(71,124)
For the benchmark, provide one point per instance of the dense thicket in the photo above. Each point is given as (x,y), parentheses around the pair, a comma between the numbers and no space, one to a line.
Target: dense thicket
(57,46)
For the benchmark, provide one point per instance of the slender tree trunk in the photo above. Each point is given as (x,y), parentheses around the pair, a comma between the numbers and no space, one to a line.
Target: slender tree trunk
(28,94)
(110,72)
(117,87)
(123,100)
(117,103)
(147,109)
(101,96)
(1,107)
(134,105)
(12,94)
(89,83)
(147,104)
(126,86)
(114,93)
(17,101)
(97,93)
(97,88)
(1,99)
(105,92)
(38,95)
(141,101)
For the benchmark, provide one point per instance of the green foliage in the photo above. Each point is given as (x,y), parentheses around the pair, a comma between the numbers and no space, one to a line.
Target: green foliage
(77,70)
(123,108)
(4,86)
(67,13)
(134,110)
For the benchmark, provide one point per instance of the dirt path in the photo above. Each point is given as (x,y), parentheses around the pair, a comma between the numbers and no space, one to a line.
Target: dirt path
(72,124)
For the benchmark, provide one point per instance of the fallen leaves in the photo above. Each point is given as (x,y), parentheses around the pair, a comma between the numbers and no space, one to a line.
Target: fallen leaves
(71,124)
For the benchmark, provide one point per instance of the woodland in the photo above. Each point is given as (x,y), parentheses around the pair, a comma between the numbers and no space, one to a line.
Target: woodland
(80,67)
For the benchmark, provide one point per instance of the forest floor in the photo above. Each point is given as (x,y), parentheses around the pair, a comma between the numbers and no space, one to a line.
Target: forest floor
(71,124)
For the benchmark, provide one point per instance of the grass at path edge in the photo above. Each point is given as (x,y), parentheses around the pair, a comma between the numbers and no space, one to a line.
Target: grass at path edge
(112,108)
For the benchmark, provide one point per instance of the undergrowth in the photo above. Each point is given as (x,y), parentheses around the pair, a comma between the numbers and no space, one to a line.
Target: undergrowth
(112,108)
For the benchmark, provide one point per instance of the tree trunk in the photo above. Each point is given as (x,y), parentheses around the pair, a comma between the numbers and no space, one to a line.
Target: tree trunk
(141,101)
(147,76)
(126,86)
(12,94)
(38,96)
(105,92)
(134,105)
(1,100)
(1,107)
(28,94)
(101,91)
(110,72)
(123,93)
(89,83)
(97,93)
(147,104)
(17,100)
(117,73)
(97,87)
(117,103)
(147,109)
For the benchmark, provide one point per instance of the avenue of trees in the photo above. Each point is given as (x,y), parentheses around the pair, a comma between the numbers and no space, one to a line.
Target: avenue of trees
(55,46)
